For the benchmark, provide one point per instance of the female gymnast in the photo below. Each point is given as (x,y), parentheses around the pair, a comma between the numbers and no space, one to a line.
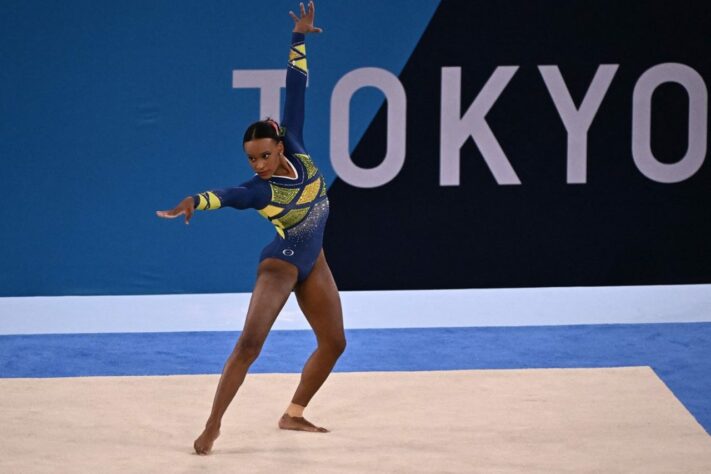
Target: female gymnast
(290,191)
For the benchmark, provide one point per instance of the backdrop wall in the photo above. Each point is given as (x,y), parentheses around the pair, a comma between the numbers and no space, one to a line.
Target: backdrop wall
(544,144)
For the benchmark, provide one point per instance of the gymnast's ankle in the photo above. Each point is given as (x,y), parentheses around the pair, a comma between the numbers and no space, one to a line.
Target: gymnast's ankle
(295,411)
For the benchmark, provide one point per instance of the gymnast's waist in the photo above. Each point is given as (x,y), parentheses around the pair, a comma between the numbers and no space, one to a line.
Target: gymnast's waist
(313,224)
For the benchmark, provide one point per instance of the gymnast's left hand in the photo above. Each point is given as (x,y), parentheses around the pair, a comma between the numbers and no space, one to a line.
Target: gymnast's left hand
(305,24)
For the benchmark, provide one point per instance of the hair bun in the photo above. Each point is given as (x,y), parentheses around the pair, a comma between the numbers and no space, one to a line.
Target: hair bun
(279,131)
(267,128)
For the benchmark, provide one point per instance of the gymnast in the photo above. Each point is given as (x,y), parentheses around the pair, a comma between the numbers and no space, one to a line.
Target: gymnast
(288,190)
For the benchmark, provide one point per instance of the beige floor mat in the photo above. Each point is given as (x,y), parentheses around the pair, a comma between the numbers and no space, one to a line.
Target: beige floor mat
(491,421)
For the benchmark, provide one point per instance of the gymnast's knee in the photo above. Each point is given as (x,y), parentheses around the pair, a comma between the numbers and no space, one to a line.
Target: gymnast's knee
(335,346)
(246,351)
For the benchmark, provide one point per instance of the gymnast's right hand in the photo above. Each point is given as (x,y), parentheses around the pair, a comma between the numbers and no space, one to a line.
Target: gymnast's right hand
(186,207)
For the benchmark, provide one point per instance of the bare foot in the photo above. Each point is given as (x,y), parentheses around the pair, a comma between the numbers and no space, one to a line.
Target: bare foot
(299,423)
(203,444)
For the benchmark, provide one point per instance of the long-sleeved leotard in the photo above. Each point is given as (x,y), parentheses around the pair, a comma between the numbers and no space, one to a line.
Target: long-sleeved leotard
(298,207)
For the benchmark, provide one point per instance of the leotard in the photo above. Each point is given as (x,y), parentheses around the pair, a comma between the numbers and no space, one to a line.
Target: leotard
(297,207)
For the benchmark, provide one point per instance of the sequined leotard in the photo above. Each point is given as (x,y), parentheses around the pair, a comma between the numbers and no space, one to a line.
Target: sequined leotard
(298,207)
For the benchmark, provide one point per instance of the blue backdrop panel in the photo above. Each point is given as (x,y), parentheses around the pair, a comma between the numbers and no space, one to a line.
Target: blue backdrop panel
(113,110)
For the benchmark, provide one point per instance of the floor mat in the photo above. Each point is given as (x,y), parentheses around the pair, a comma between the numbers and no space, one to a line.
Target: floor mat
(533,420)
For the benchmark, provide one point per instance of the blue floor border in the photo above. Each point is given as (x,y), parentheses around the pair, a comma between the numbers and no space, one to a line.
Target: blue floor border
(679,353)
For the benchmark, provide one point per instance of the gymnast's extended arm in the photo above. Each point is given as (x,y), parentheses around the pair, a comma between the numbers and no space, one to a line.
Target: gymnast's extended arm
(245,196)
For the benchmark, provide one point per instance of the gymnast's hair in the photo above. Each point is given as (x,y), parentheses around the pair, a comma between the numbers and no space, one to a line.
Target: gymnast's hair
(268,128)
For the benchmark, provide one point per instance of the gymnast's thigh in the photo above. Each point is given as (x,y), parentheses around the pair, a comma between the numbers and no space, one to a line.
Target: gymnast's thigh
(320,302)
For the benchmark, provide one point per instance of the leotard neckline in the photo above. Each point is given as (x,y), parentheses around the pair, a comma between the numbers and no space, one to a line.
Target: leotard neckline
(296,172)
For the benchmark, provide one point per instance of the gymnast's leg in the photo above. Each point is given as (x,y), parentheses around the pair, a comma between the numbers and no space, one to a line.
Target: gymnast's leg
(275,281)
(319,300)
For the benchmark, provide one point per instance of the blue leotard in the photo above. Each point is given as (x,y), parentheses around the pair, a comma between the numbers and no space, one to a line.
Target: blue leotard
(298,207)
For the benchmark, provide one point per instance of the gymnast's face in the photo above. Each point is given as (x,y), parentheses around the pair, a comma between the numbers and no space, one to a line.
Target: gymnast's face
(264,156)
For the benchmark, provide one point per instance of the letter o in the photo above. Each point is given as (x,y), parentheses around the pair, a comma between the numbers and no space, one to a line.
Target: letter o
(394,159)
(642,154)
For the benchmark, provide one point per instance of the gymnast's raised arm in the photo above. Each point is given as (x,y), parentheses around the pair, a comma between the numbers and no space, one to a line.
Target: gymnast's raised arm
(297,72)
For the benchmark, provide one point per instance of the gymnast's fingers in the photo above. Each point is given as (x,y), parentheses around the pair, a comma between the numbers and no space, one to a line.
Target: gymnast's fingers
(169,214)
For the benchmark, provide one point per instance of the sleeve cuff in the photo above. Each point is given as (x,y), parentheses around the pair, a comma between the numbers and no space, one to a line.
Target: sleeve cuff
(297,37)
